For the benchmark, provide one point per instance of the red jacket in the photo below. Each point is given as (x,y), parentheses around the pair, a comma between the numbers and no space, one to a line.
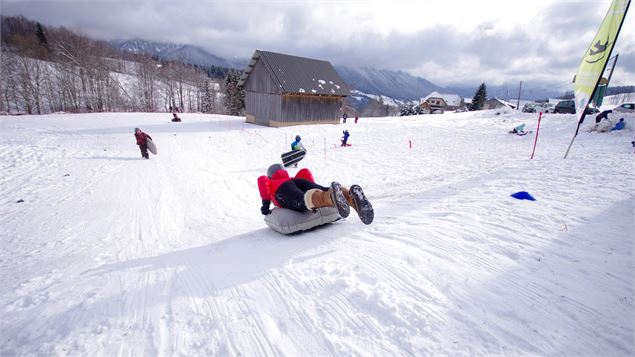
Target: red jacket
(268,186)
(142,138)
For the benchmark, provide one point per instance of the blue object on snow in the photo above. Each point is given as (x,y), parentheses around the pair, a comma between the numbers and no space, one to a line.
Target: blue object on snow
(523,195)
(619,125)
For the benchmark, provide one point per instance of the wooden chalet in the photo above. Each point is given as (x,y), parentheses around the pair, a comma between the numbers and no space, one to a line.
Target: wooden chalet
(284,90)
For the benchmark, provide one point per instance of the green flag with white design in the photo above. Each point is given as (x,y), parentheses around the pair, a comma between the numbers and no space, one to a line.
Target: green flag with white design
(596,57)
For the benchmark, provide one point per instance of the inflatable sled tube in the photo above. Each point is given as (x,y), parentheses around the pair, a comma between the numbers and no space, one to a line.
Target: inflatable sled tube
(287,221)
(151,146)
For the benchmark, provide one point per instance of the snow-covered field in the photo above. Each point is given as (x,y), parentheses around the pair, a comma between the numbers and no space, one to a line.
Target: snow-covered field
(113,255)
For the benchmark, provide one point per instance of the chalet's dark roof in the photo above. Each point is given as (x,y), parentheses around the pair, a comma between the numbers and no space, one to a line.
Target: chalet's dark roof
(299,74)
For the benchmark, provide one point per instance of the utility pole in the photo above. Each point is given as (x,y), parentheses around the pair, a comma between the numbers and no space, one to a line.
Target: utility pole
(518,101)
(611,74)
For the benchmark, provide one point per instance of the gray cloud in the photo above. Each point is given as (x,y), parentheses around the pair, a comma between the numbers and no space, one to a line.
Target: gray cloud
(546,48)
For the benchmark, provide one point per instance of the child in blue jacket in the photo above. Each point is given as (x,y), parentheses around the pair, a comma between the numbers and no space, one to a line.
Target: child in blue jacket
(297,144)
(345,137)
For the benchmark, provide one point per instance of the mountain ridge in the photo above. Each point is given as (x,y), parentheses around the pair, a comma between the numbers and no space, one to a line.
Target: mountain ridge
(396,84)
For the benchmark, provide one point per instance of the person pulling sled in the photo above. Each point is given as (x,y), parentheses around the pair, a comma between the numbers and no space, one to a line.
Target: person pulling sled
(142,141)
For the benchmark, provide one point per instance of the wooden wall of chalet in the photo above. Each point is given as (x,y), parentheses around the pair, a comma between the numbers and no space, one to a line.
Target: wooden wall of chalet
(300,108)
(262,96)
(261,108)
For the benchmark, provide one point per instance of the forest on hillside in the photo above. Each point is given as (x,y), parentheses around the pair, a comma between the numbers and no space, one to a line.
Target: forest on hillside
(47,70)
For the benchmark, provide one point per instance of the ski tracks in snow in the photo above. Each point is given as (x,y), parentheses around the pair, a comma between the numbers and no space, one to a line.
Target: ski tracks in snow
(170,256)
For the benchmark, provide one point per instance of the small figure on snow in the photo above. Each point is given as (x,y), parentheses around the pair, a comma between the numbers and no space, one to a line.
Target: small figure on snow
(297,144)
(604,115)
(302,194)
(142,141)
(345,138)
(519,130)
(175,118)
(619,125)
(356,119)
(344,117)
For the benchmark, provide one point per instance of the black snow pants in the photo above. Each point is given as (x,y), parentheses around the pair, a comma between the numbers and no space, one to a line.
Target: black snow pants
(144,150)
(291,193)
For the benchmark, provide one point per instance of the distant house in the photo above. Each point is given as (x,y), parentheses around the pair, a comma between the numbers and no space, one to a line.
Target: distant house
(442,101)
(284,90)
(495,103)
(426,107)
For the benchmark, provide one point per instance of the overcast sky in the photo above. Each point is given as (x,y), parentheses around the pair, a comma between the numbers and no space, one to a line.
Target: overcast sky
(447,42)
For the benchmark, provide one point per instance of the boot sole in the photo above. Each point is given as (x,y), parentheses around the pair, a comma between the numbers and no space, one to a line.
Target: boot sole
(337,195)
(364,208)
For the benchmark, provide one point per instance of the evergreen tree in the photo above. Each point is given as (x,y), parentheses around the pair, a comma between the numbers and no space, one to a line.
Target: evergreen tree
(479,97)
(41,37)
(234,94)
(405,110)
(208,99)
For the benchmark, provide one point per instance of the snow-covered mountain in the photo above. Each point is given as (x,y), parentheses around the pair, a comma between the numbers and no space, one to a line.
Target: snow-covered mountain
(177,52)
(395,84)
(509,91)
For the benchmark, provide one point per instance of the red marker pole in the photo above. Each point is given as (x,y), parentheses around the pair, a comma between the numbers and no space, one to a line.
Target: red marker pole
(536,139)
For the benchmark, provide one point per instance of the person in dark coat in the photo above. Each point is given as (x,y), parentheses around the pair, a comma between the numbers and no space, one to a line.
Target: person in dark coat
(142,141)
(603,115)
(175,118)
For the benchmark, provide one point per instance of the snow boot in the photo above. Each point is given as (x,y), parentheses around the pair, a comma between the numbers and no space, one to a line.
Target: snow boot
(337,195)
(356,199)
(334,197)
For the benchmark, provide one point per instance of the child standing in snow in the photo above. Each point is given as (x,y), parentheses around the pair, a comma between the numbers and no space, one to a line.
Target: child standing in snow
(142,141)
(297,144)
(302,194)
(345,137)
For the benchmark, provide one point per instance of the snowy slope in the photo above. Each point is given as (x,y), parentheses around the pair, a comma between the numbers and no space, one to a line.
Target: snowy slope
(112,255)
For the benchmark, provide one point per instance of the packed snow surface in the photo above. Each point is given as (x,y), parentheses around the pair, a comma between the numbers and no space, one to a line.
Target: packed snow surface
(112,255)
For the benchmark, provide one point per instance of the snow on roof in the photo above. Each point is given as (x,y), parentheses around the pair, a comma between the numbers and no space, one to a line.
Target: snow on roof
(506,103)
(450,99)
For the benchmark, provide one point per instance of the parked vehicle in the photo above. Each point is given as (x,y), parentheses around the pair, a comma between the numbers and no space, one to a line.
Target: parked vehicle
(565,106)
(568,107)
(530,108)
(625,108)
(545,107)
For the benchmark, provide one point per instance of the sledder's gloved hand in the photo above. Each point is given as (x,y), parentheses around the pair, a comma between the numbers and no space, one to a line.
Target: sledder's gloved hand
(265,207)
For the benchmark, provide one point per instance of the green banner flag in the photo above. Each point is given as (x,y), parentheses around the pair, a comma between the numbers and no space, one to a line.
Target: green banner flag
(596,57)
